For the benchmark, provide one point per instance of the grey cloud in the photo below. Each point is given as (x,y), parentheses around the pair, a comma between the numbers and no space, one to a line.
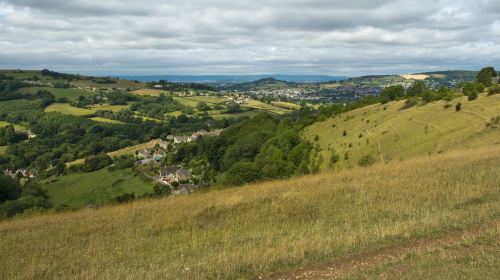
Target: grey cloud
(222,36)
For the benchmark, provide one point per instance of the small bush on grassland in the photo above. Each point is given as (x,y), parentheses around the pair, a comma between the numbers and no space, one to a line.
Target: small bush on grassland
(334,158)
(410,102)
(494,122)
(366,160)
(458,107)
(494,89)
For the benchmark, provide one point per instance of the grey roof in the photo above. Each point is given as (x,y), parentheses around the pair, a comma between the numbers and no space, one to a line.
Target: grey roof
(183,172)
(167,170)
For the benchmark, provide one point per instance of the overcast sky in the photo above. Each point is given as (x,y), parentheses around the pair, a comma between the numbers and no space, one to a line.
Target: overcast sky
(249,37)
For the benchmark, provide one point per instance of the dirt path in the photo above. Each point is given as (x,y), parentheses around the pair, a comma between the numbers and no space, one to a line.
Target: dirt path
(368,259)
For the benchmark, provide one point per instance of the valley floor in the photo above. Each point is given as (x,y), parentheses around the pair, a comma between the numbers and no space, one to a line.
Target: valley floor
(239,233)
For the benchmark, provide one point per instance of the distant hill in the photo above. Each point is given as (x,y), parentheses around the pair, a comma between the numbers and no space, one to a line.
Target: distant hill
(234,78)
(452,74)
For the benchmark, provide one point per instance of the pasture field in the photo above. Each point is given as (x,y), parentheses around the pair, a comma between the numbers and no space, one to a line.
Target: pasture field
(3,149)
(255,104)
(78,190)
(66,108)
(239,233)
(174,114)
(219,115)
(105,120)
(209,99)
(70,93)
(120,83)
(113,108)
(16,126)
(125,151)
(186,101)
(149,119)
(386,132)
(286,105)
(29,75)
(149,91)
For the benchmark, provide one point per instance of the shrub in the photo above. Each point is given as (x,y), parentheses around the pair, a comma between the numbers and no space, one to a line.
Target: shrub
(472,96)
(9,188)
(96,162)
(334,158)
(366,160)
(458,107)
(410,102)
(494,89)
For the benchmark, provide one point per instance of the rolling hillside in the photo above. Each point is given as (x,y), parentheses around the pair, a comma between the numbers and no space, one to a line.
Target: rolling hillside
(240,233)
(386,132)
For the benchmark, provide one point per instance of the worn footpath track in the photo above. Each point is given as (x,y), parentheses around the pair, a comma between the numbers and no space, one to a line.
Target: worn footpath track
(368,259)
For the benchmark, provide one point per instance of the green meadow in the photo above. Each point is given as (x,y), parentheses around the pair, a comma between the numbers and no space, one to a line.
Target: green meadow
(80,189)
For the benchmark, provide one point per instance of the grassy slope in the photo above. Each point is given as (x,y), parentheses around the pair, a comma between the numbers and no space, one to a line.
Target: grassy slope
(472,258)
(66,108)
(120,83)
(3,149)
(396,134)
(239,232)
(81,189)
(286,105)
(70,93)
(265,107)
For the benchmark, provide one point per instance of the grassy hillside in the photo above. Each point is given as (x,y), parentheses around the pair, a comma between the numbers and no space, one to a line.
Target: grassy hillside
(241,232)
(70,93)
(388,132)
(474,257)
(66,108)
(81,189)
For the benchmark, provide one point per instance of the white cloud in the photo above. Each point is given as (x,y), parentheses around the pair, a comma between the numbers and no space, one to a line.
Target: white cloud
(273,36)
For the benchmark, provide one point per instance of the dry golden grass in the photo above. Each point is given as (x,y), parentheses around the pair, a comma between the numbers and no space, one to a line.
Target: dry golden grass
(239,232)
(387,132)
(415,76)
(149,91)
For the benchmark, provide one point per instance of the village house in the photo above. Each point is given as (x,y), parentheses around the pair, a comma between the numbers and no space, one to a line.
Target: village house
(165,144)
(26,173)
(174,173)
(145,153)
(182,175)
